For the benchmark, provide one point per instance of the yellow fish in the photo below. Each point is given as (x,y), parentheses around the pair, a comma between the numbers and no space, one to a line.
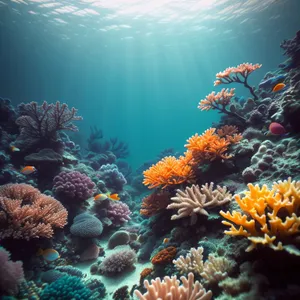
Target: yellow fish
(165,240)
(101,197)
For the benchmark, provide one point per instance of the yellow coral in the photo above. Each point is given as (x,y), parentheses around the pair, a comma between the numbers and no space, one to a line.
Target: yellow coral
(270,215)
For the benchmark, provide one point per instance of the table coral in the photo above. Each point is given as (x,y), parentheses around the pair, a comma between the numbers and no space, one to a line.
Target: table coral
(195,200)
(271,216)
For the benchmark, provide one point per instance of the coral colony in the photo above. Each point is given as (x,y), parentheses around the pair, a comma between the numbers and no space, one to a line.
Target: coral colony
(214,222)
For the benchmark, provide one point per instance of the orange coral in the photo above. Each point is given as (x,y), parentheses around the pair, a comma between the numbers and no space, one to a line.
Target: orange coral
(146,272)
(208,146)
(164,256)
(168,171)
(269,216)
(154,203)
(238,74)
(26,213)
(230,133)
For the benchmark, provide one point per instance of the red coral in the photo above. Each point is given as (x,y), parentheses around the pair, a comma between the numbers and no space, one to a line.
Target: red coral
(164,256)
(154,203)
(25,213)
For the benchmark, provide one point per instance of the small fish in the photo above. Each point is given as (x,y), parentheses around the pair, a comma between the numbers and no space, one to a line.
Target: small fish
(278,87)
(114,197)
(277,129)
(49,255)
(14,149)
(166,240)
(100,197)
(28,170)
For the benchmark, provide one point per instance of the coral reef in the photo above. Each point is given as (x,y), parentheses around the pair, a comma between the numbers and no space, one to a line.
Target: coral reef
(86,225)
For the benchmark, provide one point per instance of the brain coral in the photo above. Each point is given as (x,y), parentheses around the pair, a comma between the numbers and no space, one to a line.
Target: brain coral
(87,226)
(73,185)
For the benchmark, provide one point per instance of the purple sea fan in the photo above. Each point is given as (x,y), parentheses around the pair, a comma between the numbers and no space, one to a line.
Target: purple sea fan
(73,185)
(11,273)
(118,262)
(118,213)
(112,177)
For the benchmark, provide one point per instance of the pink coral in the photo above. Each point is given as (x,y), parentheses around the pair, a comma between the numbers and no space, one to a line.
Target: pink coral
(238,74)
(118,213)
(25,213)
(11,273)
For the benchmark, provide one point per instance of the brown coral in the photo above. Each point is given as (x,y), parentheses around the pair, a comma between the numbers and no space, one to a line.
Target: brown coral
(154,203)
(164,256)
(26,213)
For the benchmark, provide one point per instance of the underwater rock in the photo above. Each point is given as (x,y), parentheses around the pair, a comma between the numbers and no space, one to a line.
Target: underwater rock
(120,237)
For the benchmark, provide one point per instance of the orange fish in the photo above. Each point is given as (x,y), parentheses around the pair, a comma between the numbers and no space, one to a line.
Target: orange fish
(100,197)
(49,254)
(165,240)
(14,149)
(278,87)
(114,197)
(28,170)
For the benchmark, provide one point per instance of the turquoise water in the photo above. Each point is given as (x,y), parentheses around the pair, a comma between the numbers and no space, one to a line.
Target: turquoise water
(137,71)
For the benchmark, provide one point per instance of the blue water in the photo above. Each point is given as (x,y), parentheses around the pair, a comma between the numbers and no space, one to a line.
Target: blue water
(137,71)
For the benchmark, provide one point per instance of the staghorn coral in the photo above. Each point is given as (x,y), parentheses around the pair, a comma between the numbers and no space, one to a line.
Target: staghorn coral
(164,256)
(25,213)
(220,101)
(210,146)
(169,171)
(237,74)
(215,269)
(271,217)
(154,203)
(170,288)
(195,200)
(40,123)
(193,262)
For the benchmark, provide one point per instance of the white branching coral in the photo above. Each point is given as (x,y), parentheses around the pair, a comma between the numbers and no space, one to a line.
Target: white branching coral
(216,269)
(195,200)
(193,262)
(170,289)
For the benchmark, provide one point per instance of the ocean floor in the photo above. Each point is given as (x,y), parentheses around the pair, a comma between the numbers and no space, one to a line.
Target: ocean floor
(113,283)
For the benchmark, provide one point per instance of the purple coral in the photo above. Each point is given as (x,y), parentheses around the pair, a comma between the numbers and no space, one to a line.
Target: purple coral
(73,185)
(118,262)
(118,213)
(42,122)
(11,273)
(112,177)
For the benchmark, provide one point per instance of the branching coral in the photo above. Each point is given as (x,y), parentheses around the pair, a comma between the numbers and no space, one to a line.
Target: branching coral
(195,200)
(25,213)
(219,102)
(169,171)
(216,269)
(42,122)
(154,203)
(238,74)
(271,217)
(171,289)
(193,262)
(210,145)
